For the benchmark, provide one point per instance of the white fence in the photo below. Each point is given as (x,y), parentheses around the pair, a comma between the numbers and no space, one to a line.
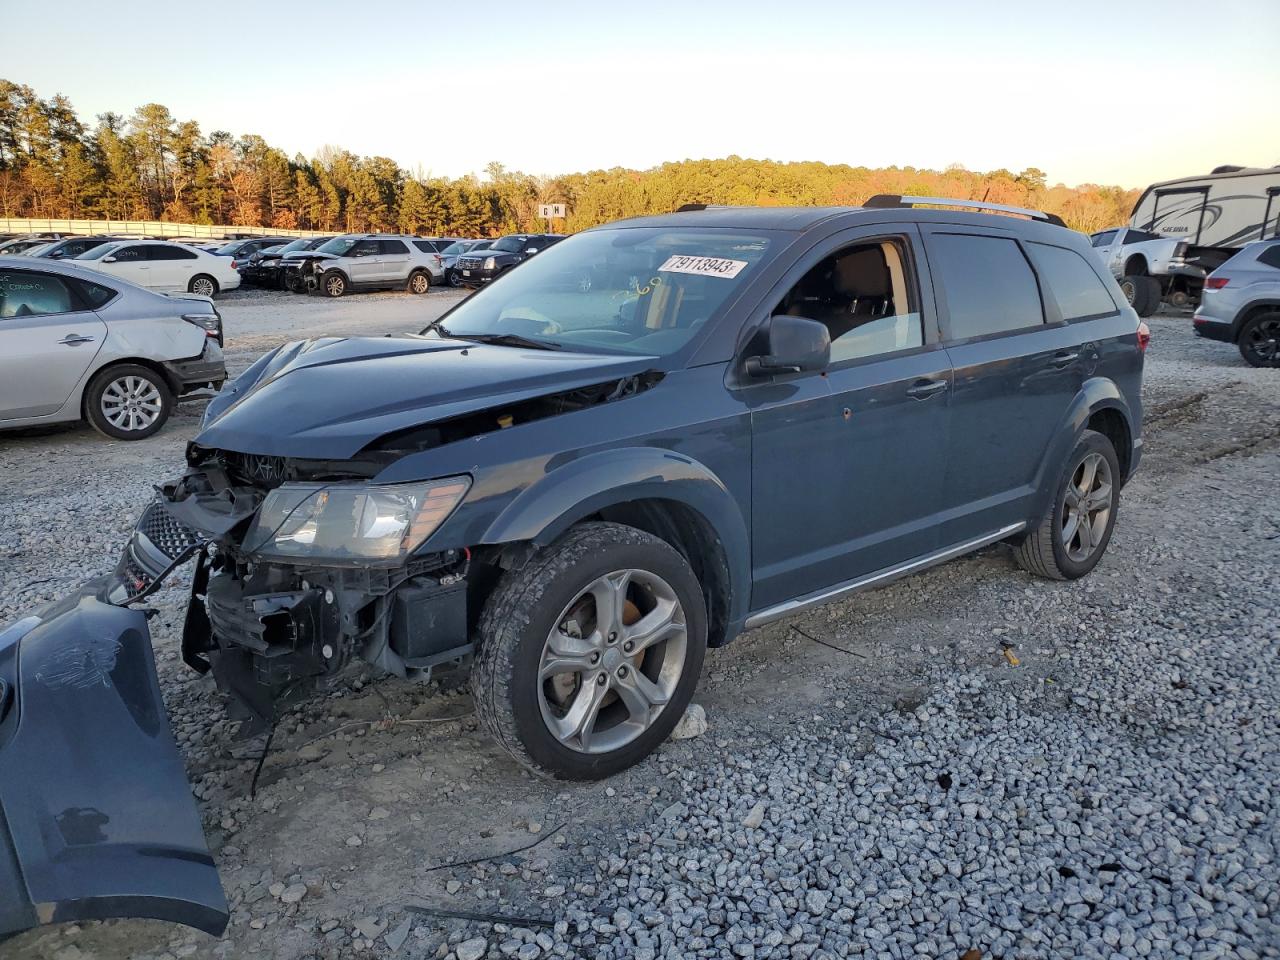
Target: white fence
(146,228)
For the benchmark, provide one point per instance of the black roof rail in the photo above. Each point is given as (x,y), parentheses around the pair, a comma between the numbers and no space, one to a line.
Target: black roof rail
(891,201)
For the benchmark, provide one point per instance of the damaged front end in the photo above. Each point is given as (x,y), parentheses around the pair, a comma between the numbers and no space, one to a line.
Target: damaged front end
(302,566)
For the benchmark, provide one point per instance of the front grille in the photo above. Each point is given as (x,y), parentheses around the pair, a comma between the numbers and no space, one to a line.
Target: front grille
(469,263)
(258,470)
(169,534)
(132,576)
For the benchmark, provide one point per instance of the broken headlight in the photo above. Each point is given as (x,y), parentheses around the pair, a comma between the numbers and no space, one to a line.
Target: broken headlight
(352,521)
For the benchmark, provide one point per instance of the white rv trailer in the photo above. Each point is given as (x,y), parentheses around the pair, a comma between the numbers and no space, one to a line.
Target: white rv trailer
(1215,214)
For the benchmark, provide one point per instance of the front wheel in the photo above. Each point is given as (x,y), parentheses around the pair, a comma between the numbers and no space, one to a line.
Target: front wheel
(1260,341)
(128,402)
(1072,537)
(204,285)
(333,284)
(588,654)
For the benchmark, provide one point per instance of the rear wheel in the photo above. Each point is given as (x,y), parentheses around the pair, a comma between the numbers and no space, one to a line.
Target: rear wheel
(588,654)
(1143,294)
(1260,340)
(128,402)
(419,282)
(204,285)
(1072,537)
(1179,299)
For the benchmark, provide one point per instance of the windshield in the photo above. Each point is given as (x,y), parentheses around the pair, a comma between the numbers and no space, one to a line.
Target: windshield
(291,246)
(338,245)
(229,249)
(457,247)
(510,244)
(317,242)
(641,290)
(41,248)
(97,253)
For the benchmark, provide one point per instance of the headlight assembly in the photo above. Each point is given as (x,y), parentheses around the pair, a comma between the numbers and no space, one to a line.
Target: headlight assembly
(489,263)
(356,522)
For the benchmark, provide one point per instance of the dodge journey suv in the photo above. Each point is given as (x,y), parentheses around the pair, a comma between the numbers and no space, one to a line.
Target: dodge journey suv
(652,436)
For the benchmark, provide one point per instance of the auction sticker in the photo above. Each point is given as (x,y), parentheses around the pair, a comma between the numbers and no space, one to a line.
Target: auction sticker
(703,266)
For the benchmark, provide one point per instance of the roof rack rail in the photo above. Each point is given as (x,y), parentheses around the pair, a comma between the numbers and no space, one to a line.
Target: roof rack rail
(893,200)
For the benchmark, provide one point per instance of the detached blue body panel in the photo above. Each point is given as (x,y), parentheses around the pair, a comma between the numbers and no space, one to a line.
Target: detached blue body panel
(97,818)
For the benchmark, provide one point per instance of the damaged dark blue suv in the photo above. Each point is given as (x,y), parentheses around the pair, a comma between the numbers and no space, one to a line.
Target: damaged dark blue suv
(652,436)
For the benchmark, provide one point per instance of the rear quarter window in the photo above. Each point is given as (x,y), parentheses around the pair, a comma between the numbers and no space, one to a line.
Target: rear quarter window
(1078,290)
(987,284)
(1270,257)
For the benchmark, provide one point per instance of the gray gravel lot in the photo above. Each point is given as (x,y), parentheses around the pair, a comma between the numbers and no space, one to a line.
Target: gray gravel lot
(970,763)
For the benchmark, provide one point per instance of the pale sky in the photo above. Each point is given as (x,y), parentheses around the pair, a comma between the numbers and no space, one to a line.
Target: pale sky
(1121,92)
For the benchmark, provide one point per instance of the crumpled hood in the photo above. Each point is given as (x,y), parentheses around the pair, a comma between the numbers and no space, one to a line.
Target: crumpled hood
(331,397)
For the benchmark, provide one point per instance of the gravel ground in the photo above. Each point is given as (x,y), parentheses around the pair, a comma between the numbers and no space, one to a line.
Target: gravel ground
(970,763)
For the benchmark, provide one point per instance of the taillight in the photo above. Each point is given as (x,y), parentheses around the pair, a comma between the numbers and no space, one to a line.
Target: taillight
(1216,283)
(1144,336)
(1180,248)
(233,263)
(439,259)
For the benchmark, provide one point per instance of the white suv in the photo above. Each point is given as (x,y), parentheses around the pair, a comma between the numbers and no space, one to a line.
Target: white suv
(169,267)
(370,261)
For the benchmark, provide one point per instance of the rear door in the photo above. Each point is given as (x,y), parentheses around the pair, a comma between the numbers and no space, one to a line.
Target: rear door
(1017,367)
(396,262)
(48,339)
(172,266)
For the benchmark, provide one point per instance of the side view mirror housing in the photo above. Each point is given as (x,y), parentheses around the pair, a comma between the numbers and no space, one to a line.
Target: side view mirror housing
(56,255)
(108,259)
(791,345)
(531,250)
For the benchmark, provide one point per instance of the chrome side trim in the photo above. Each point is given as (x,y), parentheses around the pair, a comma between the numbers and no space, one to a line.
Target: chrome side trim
(879,578)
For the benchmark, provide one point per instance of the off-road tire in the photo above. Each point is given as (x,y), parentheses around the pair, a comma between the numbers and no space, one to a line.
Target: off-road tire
(414,286)
(196,280)
(1143,294)
(521,612)
(1248,335)
(108,375)
(1042,551)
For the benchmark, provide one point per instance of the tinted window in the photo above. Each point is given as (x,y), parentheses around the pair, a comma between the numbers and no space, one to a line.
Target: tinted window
(129,254)
(392,247)
(987,283)
(171,253)
(511,244)
(864,296)
(1102,239)
(1270,256)
(26,293)
(365,248)
(1075,286)
(1139,236)
(94,294)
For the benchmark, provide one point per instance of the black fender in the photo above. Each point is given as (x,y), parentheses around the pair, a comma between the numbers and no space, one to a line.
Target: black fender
(1097,393)
(585,486)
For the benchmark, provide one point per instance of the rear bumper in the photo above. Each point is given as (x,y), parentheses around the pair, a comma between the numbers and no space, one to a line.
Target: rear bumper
(96,814)
(1211,328)
(203,373)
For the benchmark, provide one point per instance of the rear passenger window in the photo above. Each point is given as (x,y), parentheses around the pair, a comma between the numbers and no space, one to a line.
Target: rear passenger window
(1072,281)
(1270,257)
(26,293)
(987,284)
(391,247)
(171,253)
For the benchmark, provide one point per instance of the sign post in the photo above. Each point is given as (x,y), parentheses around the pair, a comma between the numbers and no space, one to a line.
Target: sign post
(551,211)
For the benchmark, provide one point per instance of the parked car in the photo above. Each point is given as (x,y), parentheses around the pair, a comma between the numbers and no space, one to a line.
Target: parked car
(20,245)
(1241,304)
(244,248)
(1150,268)
(68,248)
(449,257)
(475,271)
(158,265)
(266,268)
(582,485)
(75,344)
(369,261)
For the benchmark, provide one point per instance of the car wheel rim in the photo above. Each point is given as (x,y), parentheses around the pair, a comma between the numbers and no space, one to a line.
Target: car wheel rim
(419,284)
(612,662)
(203,287)
(1129,290)
(334,286)
(1264,341)
(131,403)
(1086,508)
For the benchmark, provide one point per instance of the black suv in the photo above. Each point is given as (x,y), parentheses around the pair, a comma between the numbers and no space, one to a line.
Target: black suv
(653,436)
(477,270)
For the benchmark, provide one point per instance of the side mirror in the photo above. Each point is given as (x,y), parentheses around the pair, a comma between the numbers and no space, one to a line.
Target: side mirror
(56,255)
(108,259)
(791,345)
(531,250)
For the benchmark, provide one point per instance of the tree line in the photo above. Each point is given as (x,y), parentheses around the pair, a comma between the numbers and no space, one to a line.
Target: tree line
(153,166)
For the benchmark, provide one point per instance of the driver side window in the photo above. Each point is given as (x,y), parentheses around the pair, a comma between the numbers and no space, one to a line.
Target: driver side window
(865,296)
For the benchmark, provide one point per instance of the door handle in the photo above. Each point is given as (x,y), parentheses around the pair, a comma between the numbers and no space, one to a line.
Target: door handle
(923,389)
(74,339)
(1064,359)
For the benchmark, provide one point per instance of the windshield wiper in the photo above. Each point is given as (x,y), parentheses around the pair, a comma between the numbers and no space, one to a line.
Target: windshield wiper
(501,339)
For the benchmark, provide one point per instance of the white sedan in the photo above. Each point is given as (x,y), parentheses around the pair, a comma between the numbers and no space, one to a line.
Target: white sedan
(158,265)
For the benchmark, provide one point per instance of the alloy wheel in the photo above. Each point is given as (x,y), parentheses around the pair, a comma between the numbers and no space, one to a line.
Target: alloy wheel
(334,286)
(1086,507)
(612,661)
(1262,341)
(419,283)
(202,286)
(131,403)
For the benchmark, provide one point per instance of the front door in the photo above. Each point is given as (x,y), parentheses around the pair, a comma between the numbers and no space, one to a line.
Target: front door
(364,262)
(1017,369)
(47,341)
(847,464)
